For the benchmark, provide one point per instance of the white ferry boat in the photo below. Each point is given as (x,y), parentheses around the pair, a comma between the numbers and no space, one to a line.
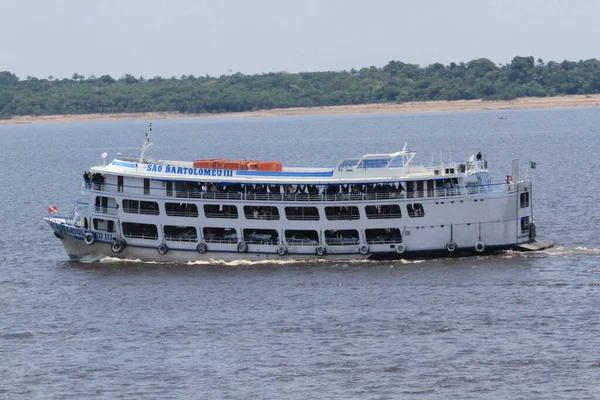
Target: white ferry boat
(377,206)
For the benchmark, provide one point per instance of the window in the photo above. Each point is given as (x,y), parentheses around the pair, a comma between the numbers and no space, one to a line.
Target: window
(429,186)
(397,162)
(348,164)
(415,210)
(447,187)
(342,237)
(181,210)
(185,189)
(169,188)
(146,186)
(373,163)
(420,185)
(105,205)
(140,207)
(302,213)
(261,236)
(120,183)
(103,225)
(383,236)
(524,199)
(220,211)
(301,238)
(345,212)
(410,189)
(525,225)
(219,235)
(383,211)
(139,231)
(180,233)
(261,212)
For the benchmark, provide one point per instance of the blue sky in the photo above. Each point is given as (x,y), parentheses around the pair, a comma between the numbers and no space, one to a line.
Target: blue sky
(147,38)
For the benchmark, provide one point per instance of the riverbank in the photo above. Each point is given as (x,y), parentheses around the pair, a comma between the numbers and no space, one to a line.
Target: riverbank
(414,107)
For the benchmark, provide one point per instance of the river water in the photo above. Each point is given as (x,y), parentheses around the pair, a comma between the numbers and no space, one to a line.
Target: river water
(510,326)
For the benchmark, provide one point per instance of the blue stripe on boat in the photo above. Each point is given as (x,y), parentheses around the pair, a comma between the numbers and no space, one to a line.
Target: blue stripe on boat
(289,173)
(123,164)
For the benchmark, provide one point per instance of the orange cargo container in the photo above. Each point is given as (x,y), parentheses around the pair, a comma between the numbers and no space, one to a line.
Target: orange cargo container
(236,165)
(273,166)
(203,164)
(219,164)
(246,162)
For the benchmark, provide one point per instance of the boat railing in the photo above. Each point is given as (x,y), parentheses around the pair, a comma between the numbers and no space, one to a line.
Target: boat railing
(469,189)
(384,241)
(181,238)
(135,210)
(342,241)
(259,241)
(189,213)
(221,215)
(147,236)
(106,210)
(342,217)
(81,205)
(384,215)
(292,217)
(293,242)
(209,239)
(269,217)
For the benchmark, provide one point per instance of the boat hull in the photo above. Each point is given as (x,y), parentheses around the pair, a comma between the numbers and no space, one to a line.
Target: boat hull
(73,240)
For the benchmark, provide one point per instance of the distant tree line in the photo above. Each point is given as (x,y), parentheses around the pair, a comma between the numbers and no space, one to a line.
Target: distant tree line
(396,82)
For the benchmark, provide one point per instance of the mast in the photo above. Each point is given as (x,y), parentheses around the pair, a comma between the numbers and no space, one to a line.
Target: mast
(147,143)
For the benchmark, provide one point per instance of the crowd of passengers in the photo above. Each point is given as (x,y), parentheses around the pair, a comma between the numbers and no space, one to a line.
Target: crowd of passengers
(97,179)
(295,189)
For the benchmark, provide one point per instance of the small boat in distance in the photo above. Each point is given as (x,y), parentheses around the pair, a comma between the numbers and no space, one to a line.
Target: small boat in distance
(376,206)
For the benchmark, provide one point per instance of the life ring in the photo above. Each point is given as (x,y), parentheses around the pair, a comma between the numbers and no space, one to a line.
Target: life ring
(201,248)
(321,251)
(480,247)
(242,247)
(281,250)
(450,246)
(364,249)
(162,249)
(401,248)
(118,246)
(89,238)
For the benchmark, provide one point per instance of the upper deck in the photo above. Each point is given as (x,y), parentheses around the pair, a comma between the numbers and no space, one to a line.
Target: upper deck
(370,168)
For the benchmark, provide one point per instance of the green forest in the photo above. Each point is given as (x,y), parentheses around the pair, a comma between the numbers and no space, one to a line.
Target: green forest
(396,82)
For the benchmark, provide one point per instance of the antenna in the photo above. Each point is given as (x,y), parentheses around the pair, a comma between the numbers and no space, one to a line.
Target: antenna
(147,143)
(104,155)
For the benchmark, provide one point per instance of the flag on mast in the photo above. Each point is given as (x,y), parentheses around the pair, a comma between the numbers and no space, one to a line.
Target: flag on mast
(52,209)
(532,164)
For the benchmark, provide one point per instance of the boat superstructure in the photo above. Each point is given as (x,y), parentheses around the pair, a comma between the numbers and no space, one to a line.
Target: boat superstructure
(373,206)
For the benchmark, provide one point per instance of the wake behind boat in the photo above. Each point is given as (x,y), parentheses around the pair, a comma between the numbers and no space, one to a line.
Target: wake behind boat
(373,206)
